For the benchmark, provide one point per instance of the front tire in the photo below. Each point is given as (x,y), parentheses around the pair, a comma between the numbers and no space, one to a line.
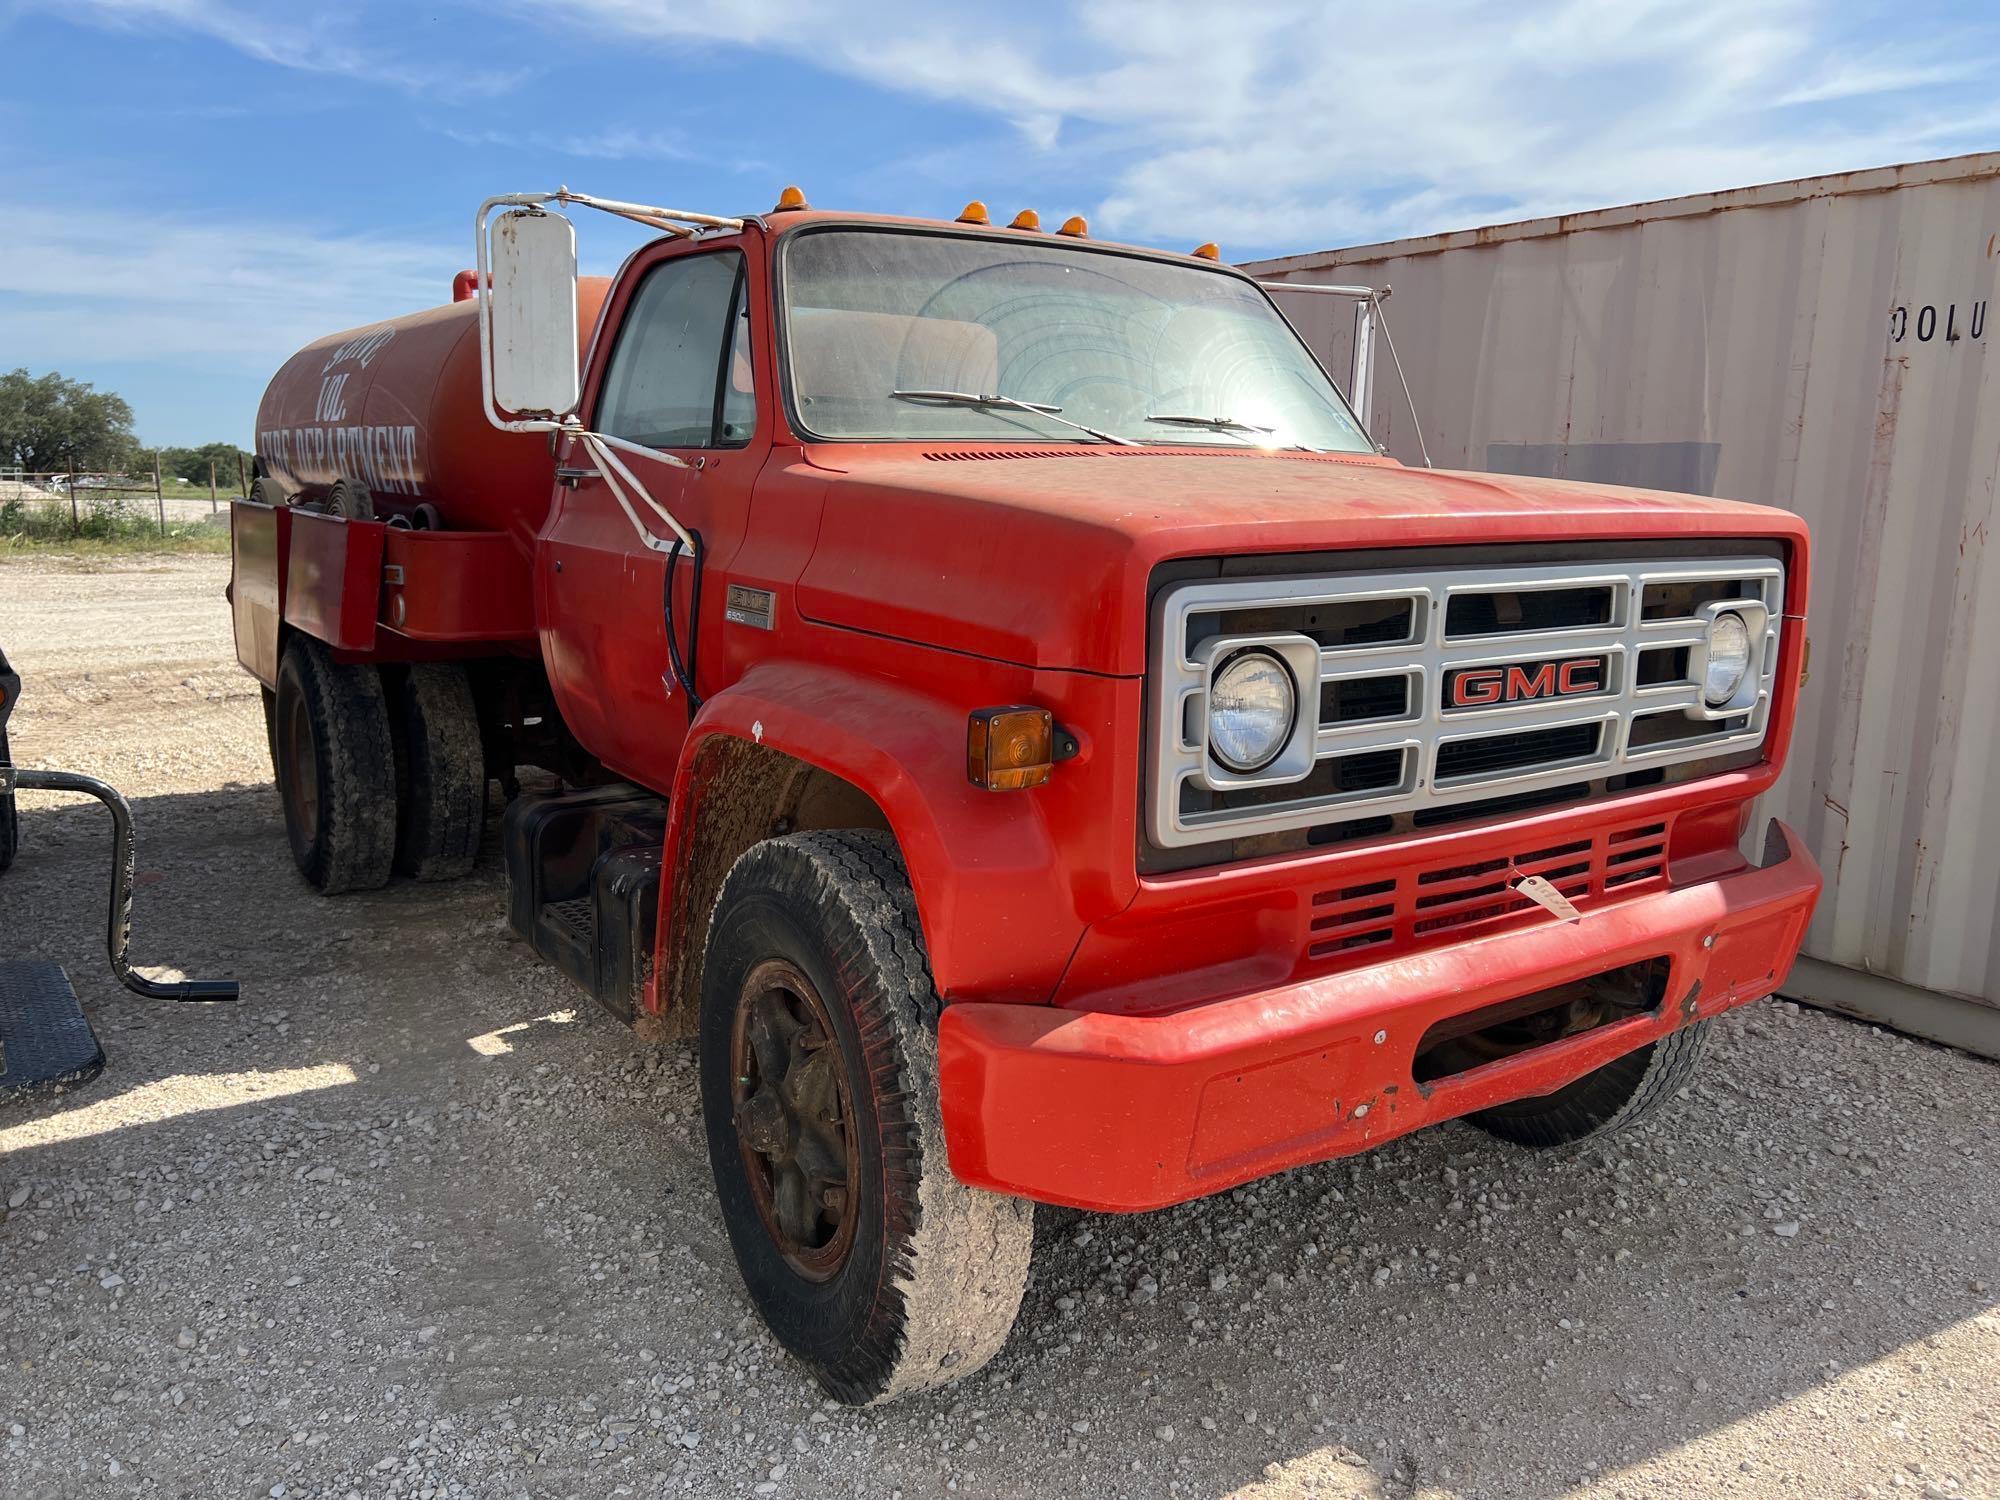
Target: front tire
(1621,1093)
(875,1266)
(336,769)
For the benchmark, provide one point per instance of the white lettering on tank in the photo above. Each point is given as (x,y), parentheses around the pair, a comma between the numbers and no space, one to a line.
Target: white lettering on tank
(361,348)
(329,407)
(382,456)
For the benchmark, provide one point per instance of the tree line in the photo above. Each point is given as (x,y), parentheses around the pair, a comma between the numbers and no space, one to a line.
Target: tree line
(49,425)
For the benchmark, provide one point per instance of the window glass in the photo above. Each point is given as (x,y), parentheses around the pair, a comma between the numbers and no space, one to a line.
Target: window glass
(739,390)
(889,335)
(660,389)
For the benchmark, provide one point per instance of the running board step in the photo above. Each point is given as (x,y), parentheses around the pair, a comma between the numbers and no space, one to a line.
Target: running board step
(583,875)
(45,1038)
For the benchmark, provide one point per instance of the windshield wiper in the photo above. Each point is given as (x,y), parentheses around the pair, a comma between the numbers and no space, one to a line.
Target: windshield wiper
(1218,424)
(1231,426)
(1039,408)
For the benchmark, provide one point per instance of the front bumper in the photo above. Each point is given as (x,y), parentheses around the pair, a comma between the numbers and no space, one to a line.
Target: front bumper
(1119,1112)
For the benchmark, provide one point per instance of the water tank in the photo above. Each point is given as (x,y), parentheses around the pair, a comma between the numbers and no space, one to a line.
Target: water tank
(396,405)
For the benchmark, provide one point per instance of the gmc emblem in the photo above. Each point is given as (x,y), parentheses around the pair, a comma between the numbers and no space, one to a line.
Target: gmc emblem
(1523,682)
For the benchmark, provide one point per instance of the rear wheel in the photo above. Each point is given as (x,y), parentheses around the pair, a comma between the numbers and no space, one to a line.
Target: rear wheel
(881,1271)
(1620,1093)
(266,491)
(440,772)
(336,769)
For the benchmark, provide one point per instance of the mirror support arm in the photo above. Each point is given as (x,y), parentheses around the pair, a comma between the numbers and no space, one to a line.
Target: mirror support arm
(673,220)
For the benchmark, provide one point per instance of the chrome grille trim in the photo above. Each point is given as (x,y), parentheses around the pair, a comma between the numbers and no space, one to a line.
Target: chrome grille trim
(1179,755)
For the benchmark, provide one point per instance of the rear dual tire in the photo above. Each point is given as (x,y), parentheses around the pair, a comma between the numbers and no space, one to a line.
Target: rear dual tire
(440,773)
(375,778)
(336,769)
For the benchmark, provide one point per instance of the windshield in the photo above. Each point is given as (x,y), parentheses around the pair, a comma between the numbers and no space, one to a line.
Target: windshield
(928,336)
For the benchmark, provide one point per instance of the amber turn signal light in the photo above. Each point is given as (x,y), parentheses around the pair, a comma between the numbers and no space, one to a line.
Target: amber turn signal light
(1009,748)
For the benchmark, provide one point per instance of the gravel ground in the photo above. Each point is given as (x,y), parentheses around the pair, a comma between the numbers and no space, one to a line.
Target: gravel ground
(414,1219)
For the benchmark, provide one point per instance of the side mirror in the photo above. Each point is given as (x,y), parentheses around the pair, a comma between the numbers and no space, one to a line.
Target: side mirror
(528,316)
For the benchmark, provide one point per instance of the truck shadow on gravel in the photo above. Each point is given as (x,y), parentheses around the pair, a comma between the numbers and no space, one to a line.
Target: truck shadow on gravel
(414,1179)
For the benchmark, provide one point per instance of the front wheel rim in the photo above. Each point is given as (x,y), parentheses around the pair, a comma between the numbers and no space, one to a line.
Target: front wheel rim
(794,1119)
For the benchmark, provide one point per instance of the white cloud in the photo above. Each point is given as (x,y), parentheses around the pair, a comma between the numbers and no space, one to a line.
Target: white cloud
(614,144)
(102,286)
(1851,79)
(302,39)
(1296,123)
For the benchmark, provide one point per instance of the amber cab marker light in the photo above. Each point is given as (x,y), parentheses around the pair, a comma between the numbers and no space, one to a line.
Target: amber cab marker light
(1027,218)
(974,213)
(1076,227)
(791,201)
(1007,749)
(1210,251)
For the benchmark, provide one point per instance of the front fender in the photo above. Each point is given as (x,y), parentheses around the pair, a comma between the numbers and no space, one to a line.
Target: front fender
(1002,908)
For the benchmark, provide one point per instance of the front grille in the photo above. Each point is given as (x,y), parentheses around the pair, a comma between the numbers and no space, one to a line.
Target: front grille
(1451,899)
(1492,753)
(1429,690)
(1504,611)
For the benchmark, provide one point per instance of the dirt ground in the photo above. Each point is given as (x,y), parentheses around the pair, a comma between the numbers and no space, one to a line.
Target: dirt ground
(414,1219)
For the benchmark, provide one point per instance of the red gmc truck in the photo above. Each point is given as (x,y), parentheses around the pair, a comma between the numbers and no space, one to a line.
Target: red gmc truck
(1005,709)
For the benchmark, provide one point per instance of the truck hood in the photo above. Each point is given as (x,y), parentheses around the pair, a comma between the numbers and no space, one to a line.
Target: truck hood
(1042,556)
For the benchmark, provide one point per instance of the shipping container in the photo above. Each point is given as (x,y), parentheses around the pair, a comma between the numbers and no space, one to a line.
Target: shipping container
(1825,345)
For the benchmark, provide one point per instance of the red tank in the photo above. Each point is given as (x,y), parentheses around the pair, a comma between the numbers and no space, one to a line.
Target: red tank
(396,406)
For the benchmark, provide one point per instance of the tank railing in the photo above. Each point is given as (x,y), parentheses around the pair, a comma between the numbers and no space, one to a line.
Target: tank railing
(124,861)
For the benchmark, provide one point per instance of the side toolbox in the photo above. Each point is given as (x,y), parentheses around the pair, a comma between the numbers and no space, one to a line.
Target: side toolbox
(583,876)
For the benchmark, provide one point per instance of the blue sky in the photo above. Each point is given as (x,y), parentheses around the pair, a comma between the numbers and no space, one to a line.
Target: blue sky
(199,186)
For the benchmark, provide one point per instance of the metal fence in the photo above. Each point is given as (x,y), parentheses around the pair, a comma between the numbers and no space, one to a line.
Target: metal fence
(94,499)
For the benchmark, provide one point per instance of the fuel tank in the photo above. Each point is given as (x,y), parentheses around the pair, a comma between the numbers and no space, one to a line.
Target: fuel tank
(396,405)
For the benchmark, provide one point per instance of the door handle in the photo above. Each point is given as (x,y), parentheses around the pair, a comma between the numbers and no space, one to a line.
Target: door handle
(569,476)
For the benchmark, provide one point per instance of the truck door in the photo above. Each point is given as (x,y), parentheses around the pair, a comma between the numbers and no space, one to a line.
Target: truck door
(677,379)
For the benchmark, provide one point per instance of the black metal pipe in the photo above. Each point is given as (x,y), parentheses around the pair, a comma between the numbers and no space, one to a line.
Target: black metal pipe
(124,862)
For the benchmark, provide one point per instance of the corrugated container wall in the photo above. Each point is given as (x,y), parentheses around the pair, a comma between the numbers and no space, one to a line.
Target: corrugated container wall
(1824,345)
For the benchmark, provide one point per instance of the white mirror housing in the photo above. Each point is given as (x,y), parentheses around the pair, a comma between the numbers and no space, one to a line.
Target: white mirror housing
(528,315)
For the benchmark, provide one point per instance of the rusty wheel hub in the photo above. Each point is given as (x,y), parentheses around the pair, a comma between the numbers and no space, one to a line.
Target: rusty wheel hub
(794,1122)
(301,784)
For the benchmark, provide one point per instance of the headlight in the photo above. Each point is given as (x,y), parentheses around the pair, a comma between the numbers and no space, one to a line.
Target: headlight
(1728,658)
(1251,705)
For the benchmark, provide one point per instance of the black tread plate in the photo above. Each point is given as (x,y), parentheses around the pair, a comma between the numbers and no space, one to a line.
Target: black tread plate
(45,1038)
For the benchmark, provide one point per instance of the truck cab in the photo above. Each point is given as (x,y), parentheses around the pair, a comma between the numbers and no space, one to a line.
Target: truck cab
(1001,704)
